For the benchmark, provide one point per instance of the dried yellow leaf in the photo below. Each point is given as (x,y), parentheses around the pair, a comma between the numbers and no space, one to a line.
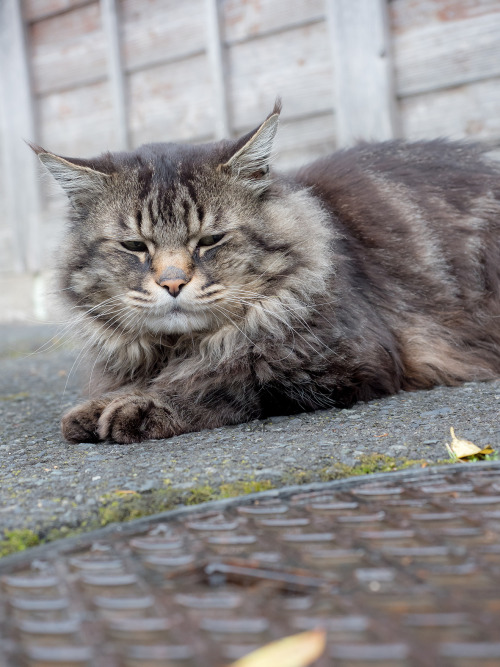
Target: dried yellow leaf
(296,651)
(463,449)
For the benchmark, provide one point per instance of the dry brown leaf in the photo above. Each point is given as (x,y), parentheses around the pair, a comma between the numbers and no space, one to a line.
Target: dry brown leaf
(296,651)
(463,449)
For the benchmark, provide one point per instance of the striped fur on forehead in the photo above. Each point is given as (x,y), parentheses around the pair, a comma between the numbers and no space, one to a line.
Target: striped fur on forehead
(170,215)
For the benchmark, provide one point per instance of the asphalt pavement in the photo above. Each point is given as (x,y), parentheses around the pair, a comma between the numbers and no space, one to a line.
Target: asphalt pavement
(46,483)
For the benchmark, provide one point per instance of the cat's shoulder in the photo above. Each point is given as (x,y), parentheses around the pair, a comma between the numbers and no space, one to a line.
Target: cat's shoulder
(401,160)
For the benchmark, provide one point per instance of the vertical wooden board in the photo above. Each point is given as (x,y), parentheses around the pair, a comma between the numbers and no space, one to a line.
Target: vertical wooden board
(363,83)
(299,142)
(20,178)
(447,54)
(116,75)
(67,49)
(217,63)
(172,102)
(410,14)
(470,111)
(78,122)
(243,20)
(295,64)
(158,30)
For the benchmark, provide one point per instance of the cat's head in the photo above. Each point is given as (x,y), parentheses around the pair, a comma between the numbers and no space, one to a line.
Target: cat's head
(174,238)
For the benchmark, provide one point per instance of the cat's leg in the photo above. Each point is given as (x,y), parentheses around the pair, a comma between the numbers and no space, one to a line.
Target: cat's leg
(136,416)
(162,414)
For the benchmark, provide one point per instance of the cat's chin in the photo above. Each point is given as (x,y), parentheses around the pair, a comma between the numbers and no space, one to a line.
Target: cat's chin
(179,323)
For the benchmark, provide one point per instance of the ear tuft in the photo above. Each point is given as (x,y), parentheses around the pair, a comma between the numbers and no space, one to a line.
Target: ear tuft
(83,184)
(35,147)
(251,162)
(277,107)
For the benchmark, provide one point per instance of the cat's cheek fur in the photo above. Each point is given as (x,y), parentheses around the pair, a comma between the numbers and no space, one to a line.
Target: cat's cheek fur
(136,417)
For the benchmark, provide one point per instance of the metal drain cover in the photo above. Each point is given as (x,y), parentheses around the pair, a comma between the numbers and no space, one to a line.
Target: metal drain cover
(400,569)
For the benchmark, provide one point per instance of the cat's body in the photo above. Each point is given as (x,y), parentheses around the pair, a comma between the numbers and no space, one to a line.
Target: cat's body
(213,292)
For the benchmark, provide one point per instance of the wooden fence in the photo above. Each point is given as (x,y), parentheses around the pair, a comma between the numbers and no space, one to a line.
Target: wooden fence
(84,76)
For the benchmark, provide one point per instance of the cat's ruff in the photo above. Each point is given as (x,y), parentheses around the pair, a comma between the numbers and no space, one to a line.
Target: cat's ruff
(212,290)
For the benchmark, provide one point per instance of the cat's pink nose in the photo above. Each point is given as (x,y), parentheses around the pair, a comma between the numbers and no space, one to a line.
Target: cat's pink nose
(173,286)
(173,279)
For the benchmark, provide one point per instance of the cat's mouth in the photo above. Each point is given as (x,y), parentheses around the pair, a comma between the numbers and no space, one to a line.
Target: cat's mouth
(178,319)
(176,308)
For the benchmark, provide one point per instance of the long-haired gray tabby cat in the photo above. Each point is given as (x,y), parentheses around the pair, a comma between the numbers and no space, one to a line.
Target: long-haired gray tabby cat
(213,291)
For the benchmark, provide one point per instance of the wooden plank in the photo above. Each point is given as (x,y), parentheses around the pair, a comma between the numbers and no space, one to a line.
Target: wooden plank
(215,50)
(447,54)
(115,70)
(78,122)
(470,111)
(407,15)
(22,196)
(172,102)
(301,141)
(35,10)
(68,50)
(363,75)
(295,64)
(245,20)
(160,31)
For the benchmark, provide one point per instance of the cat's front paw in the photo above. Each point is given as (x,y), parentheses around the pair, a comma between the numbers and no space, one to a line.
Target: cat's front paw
(136,417)
(80,423)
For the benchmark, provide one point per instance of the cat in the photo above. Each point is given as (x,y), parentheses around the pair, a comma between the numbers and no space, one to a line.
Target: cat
(212,290)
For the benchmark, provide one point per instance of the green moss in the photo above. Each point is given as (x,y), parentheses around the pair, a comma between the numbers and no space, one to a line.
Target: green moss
(365,465)
(64,531)
(494,456)
(293,477)
(14,397)
(17,540)
(369,464)
(121,506)
(200,494)
(118,507)
(244,487)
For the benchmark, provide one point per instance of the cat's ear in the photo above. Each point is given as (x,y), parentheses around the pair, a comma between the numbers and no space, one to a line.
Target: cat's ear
(82,183)
(252,157)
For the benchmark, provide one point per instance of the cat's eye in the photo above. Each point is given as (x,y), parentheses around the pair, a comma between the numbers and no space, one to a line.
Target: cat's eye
(209,240)
(135,246)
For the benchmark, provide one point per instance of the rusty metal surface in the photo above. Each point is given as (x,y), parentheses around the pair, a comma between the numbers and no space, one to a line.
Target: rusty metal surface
(400,570)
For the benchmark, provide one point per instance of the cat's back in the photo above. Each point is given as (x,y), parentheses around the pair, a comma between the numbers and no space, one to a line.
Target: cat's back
(419,236)
(443,193)
(370,172)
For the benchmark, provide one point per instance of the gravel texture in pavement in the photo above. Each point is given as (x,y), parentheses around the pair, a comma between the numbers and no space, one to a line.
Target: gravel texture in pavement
(45,482)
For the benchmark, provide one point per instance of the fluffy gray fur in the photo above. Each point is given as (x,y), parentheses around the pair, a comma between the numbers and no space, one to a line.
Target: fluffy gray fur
(211,290)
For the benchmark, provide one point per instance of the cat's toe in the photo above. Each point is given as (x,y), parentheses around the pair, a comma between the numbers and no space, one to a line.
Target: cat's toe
(133,419)
(80,423)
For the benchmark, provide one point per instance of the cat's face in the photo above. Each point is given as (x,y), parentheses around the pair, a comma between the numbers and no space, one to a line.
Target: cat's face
(170,239)
(173,261)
